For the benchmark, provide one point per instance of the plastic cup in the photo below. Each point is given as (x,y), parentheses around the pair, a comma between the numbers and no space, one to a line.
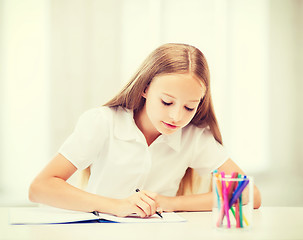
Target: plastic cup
(233,201)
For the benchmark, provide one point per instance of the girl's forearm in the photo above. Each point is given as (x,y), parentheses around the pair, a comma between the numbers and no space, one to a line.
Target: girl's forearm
(58,193)
(197,202)
(257,198)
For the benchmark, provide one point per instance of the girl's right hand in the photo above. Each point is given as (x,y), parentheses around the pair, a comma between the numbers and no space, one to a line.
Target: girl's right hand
(142,203)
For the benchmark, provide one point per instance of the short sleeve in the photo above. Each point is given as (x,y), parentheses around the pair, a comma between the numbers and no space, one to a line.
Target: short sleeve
(208,153)
(83,146)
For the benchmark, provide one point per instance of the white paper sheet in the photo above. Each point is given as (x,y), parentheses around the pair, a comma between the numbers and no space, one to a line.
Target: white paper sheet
(49,215)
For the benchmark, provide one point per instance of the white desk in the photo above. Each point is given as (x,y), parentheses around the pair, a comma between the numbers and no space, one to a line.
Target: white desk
(269,223)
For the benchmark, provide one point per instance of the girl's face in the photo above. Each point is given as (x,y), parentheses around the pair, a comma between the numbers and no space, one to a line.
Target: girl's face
(171,102)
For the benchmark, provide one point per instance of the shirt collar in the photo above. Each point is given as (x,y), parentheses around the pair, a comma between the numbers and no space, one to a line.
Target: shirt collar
(124,125)
(173,140)
(126,129)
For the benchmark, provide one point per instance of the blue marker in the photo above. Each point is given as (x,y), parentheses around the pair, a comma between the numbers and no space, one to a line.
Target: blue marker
(238,192)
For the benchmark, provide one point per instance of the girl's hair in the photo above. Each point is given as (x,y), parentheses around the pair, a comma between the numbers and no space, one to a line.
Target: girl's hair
(173,58)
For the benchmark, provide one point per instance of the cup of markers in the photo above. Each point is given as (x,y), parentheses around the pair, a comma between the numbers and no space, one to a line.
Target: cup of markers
(233,201)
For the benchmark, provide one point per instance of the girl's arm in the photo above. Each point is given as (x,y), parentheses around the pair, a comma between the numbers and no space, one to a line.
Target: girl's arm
(202,202)
(50,187)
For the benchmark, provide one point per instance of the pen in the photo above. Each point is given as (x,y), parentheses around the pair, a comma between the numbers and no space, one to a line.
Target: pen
(159,214)
(95,213)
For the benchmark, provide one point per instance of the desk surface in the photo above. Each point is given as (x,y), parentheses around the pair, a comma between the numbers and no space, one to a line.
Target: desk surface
(268,223)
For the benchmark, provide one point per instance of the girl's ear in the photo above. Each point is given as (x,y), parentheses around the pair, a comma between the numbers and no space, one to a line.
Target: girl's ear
(144,93)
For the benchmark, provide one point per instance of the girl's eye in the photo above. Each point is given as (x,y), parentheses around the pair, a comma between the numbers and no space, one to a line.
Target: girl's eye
(189,109)
(166,103)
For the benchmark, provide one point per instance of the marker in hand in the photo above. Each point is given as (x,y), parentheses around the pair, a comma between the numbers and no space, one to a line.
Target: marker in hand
(159,214)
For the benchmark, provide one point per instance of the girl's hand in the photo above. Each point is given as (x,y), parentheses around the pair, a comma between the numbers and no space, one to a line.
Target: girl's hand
(142,203)
(245,196)
(165,203)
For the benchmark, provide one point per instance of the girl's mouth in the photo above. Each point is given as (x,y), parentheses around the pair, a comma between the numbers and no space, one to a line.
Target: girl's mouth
(170,126)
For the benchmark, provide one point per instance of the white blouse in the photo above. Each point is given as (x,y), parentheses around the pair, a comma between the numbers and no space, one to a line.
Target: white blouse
(109,141)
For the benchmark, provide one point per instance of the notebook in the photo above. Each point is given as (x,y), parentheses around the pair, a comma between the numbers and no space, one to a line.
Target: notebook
(50,215)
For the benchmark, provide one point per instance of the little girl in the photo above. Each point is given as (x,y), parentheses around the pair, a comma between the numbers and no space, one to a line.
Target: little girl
(154,136)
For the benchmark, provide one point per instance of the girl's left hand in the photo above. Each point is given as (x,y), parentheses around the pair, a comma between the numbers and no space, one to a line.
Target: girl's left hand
(245,196)
(164,203)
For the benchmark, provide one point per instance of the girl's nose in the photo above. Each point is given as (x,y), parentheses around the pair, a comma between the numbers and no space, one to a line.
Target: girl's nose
(175,114)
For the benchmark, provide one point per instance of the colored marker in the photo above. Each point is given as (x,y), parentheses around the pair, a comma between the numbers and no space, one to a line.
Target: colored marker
(231,186)
(219,187)
(216,188)
(238,192)
(225,199)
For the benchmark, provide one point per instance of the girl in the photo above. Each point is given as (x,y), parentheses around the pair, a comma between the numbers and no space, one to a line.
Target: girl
(154,135)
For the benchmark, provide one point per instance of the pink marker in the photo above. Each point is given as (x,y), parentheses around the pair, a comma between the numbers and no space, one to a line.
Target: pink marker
(225,199)
(231,186)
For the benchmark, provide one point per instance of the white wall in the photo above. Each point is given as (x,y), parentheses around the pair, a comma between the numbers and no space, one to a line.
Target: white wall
(24,93)
(286,80)
(285,105)
(246,84)
(85,60)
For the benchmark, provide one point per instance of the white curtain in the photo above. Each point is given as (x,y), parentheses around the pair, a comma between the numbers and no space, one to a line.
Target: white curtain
(62,57)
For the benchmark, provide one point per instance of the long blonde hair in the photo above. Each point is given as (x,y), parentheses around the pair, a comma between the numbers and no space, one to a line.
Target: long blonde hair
(166,59)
